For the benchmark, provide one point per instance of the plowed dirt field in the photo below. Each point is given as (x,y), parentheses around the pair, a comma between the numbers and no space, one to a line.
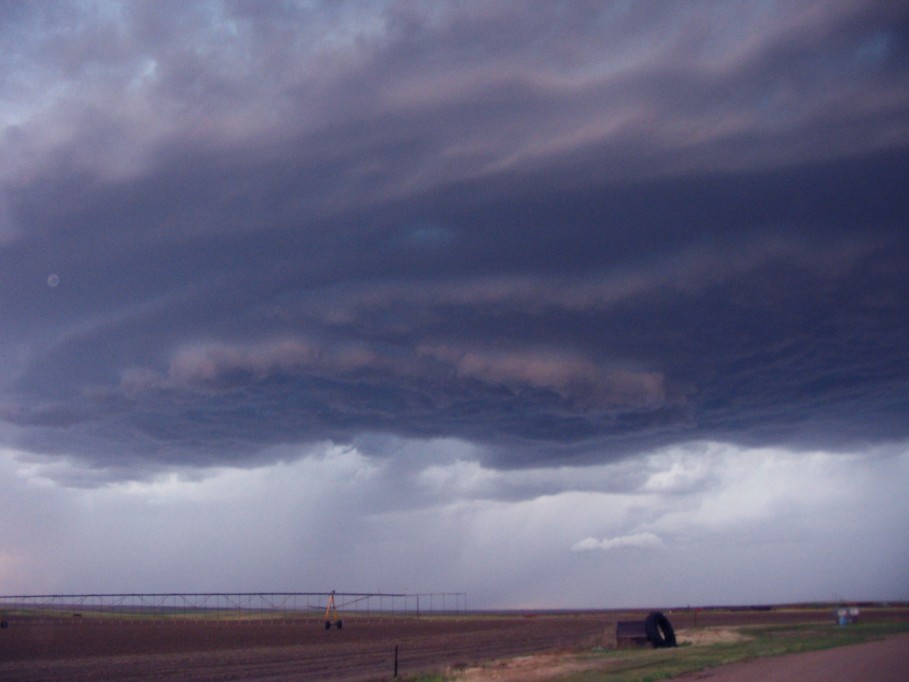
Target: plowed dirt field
(362,650)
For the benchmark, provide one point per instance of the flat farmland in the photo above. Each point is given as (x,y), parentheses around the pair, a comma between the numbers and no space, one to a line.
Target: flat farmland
(171,649)
(362,650)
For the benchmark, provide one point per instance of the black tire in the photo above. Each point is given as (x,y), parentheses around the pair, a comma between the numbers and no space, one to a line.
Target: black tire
(659,630)
(339,624)
(4,624)
(328,625)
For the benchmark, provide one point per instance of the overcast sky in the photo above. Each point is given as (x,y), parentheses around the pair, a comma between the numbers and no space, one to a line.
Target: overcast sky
(567,304)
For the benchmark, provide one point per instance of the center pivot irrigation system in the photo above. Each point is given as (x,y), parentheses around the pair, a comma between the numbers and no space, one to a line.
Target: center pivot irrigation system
(228,607)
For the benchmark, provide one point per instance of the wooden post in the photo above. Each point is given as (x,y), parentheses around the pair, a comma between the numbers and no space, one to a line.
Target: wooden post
(396,660)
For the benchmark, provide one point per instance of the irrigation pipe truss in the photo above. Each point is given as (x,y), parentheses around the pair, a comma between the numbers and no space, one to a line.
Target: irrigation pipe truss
(235,606)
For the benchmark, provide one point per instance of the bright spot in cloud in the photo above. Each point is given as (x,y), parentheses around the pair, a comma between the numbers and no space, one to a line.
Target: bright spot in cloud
(634,541)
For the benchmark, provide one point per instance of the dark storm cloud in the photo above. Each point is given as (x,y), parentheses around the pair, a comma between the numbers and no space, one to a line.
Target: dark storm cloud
(563,235)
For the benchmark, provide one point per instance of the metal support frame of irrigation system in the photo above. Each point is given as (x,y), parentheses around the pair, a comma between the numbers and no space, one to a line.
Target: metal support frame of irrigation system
(226,606)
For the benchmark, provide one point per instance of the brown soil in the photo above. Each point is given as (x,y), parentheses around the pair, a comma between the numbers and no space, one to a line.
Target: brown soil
(363,650)
(88,649)
(713,635)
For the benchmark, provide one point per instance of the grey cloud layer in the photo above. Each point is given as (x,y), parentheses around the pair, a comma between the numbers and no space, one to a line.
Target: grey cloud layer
(568,234)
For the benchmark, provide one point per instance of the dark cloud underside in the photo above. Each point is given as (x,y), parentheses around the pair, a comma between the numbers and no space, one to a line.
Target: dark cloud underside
(610,247)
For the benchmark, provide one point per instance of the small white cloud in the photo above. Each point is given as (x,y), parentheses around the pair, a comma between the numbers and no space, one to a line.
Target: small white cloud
(586,545)
(634,540)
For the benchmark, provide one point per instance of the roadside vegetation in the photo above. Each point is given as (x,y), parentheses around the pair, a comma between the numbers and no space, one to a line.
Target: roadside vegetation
(650,665)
